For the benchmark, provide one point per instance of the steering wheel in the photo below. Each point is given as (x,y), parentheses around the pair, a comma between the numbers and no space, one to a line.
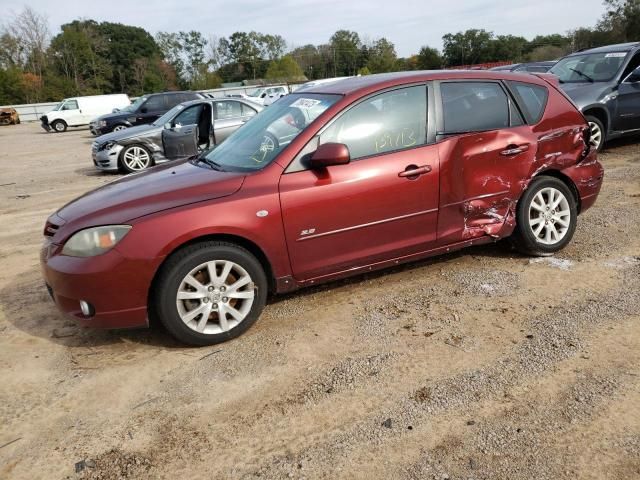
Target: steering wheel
(268,145)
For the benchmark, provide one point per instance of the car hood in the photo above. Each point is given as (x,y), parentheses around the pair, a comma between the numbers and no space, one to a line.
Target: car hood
(167,186)
(128,133)
(115,115)
(586,93)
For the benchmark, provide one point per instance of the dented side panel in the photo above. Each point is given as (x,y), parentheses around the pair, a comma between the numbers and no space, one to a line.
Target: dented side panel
(484,174)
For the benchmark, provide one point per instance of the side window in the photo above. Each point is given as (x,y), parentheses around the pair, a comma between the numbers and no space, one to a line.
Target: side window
(174,99)
(189,116)
(388,122)
(633,64)
(532,99)
(473,107)
(154,104)
(247,111)
(70,105)
(227,109)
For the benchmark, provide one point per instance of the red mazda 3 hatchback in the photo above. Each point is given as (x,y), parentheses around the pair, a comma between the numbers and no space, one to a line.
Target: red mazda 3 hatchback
(347,177)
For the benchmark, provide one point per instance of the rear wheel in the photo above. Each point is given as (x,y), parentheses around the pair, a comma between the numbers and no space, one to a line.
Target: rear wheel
(546,217)
(598,133)
(59,126)
(135,158)
(210,292)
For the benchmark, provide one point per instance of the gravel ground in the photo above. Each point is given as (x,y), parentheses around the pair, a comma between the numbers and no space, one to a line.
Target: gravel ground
(477,365)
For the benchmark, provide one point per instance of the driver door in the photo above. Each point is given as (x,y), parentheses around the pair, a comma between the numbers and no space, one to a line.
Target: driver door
(628,117)
(369,210)
(180,138)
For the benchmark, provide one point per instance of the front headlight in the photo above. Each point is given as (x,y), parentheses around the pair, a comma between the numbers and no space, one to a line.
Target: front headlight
(102,123)
(108,146)
(95,241)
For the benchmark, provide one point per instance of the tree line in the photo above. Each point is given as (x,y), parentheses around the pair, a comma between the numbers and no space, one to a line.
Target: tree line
(88,57)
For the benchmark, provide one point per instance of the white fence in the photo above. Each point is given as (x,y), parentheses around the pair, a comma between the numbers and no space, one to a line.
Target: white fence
(33,111)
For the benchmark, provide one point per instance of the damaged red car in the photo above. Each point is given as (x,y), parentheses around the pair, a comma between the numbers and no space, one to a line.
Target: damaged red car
(339,179)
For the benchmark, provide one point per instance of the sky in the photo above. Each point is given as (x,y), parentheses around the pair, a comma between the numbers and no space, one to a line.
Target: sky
(409,24)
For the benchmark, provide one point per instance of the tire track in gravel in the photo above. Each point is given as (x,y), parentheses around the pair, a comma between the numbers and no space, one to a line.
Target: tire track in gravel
(554,337)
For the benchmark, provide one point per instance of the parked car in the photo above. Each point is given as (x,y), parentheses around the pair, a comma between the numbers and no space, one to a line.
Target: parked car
(531,67)
(266,95)
(185,130)
(9,116)
(79,111)
(144,110)
(345,178)
(604,83)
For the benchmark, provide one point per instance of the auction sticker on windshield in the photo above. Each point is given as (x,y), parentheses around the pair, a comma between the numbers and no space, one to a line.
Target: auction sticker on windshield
(306,103)
(616,55)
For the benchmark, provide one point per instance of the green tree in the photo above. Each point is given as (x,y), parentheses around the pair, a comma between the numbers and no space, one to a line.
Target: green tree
(429,59)
(382,56)
(345,48)
(467,48)
(364,71)
(284,69)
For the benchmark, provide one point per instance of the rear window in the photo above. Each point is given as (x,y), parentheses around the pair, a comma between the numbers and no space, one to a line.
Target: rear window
(532,100)
(473,107)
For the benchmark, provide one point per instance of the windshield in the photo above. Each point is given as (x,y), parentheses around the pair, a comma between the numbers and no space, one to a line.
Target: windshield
(134,106)
(255,93)
(590,67)
(167,117)
(259,141)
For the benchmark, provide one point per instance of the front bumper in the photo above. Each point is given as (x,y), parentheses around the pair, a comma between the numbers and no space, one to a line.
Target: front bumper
(106,160)
(115,286)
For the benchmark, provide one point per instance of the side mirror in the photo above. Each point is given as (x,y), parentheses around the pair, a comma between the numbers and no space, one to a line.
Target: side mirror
(143,110)
(329,154)
(633,77)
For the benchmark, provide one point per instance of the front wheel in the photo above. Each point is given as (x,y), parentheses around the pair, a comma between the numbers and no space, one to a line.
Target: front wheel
(135,158)
(59,126)
(546,217)
(209,293)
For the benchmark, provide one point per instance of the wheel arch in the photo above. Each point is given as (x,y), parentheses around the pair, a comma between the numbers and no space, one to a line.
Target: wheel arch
(601,114)
(243,242)
(564,179)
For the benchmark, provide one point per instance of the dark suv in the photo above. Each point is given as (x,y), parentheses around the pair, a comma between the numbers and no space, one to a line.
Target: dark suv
(604,83)
(144,110)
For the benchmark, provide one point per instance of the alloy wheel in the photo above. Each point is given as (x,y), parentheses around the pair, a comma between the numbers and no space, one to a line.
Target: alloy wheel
(136,158)
(596,134)
(549,216)
(215,297)
(118,128)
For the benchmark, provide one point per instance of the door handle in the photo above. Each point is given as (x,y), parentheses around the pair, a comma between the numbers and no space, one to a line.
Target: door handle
(413,171)
(513,149)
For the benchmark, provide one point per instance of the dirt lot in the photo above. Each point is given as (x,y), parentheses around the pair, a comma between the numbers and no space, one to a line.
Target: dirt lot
(483,365)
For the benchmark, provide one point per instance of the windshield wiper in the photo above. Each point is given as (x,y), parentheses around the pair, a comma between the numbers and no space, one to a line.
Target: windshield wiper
(582,73)
(210,163)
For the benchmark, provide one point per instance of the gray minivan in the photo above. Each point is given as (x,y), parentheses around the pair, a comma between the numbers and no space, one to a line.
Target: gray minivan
(604,83)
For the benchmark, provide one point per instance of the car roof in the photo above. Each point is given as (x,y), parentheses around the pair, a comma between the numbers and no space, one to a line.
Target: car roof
(188,103)
(618,47)
(384,80)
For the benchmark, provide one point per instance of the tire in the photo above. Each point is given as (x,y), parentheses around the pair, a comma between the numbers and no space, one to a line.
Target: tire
(534,219)
(59,126)
(119,128)
(597,131)
(135,158)
(185,318)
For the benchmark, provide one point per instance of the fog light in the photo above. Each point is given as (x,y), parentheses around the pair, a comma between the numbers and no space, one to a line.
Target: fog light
(86,308)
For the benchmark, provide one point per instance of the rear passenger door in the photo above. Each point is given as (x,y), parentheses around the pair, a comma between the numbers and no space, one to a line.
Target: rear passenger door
(486,151)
